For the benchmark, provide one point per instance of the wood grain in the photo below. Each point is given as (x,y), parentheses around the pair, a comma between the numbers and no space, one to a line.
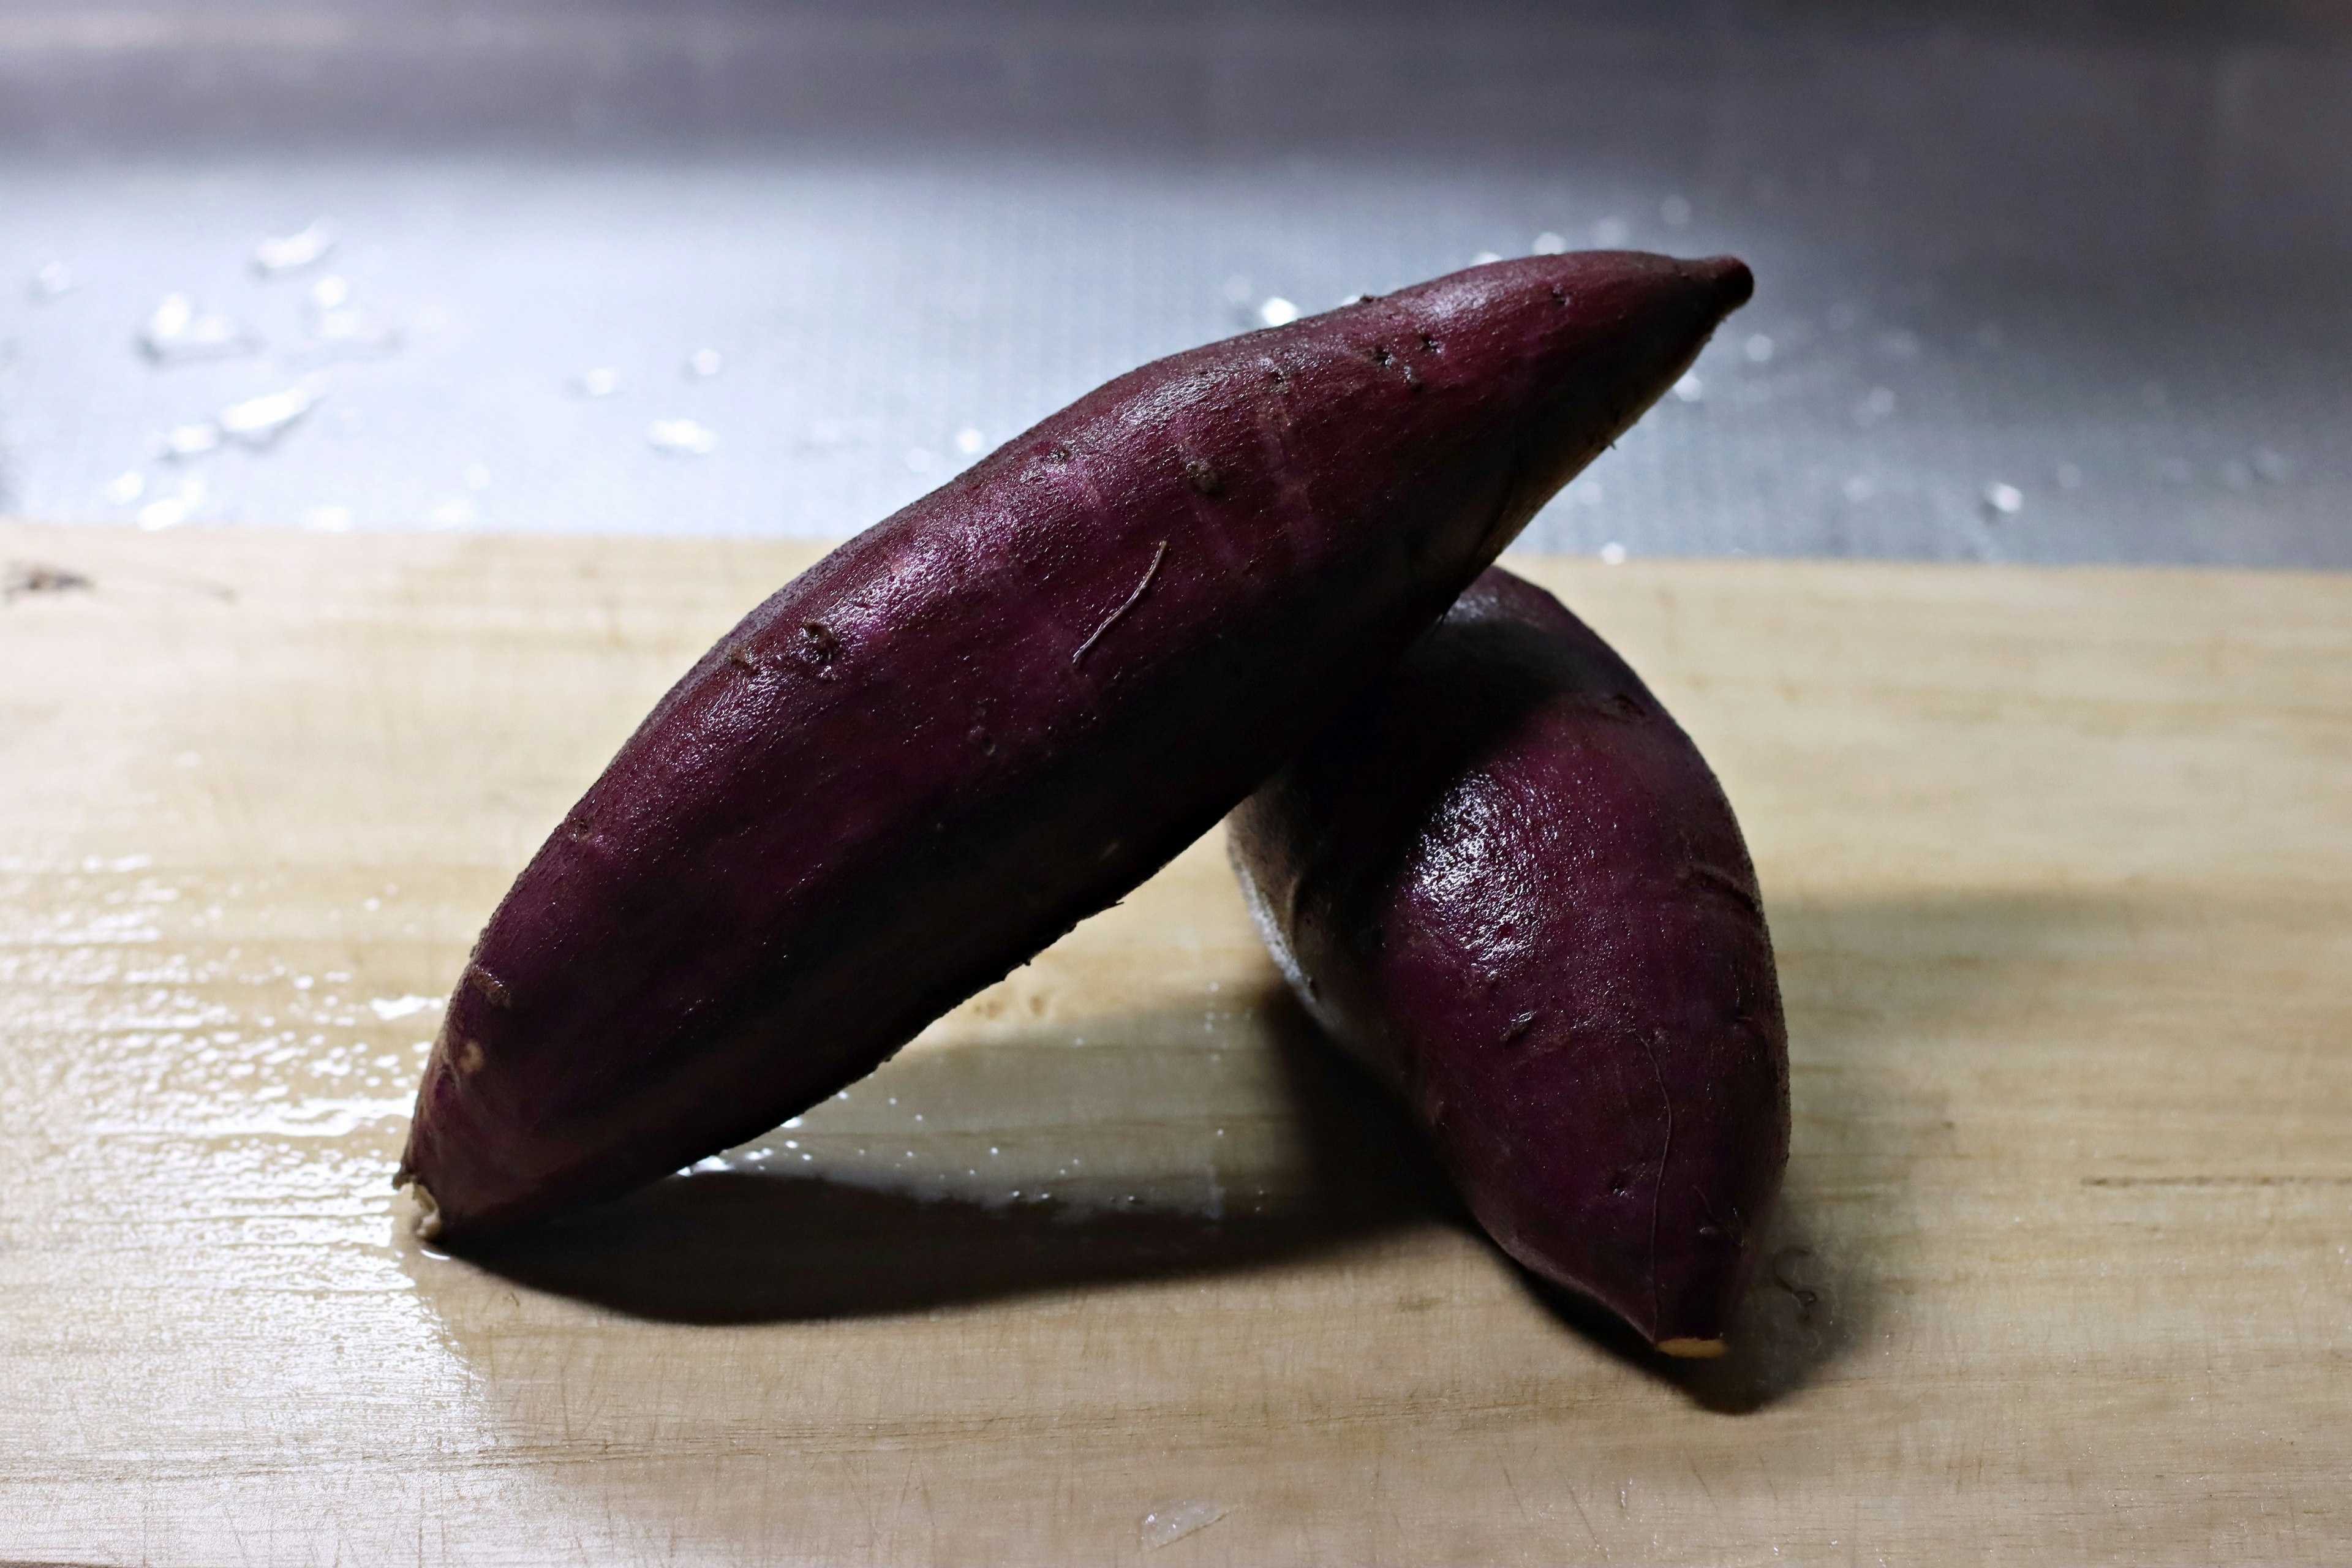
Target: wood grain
(2059,862)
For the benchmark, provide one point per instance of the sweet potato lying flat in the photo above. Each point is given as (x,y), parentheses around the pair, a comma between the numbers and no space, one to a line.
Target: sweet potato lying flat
(1507,881)
(995,713)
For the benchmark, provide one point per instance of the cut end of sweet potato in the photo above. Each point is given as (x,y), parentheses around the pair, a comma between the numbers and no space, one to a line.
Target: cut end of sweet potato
(1693,1349)
(426,1224)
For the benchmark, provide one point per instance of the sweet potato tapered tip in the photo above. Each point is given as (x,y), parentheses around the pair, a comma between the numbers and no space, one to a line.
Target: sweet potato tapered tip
(1734,285)
(997,711)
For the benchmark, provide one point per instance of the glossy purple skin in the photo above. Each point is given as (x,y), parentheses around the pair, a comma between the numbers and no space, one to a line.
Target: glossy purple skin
(1507,881)
(997,711)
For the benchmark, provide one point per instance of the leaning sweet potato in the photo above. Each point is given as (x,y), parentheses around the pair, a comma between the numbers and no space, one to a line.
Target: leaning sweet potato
(995,713)
(1507,881)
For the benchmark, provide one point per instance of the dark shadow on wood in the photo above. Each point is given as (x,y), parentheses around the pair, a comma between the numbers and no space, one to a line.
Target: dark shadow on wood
(739,1248)
(1864,979)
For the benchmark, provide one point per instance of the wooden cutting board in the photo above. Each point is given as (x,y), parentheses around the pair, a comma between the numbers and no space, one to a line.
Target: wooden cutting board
(1113,1264)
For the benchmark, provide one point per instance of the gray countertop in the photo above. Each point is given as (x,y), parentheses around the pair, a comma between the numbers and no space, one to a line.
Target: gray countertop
(2070,285)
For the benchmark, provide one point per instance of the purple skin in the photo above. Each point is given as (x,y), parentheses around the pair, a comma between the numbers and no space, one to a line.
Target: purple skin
(1506,882)
(997,711)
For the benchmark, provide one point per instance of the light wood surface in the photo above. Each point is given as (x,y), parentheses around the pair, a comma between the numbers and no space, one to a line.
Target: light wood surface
(2059,863)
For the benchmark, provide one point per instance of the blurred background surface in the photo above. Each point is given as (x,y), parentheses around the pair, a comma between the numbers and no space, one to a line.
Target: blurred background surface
(2037,281)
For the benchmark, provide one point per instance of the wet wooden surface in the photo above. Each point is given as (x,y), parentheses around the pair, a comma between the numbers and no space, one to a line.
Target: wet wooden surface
(1114,1265)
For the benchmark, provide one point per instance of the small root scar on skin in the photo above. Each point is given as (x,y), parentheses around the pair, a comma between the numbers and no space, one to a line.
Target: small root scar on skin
(1150,572)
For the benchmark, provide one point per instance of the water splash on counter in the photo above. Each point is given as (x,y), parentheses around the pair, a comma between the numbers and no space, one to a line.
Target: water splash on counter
(1173,1522)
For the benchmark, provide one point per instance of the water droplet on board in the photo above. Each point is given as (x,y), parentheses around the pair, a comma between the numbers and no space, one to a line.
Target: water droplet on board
(124,487)
(970,441)
(1175,1521)
(704,363)
(1759,349)
(681,438)
(1276,312)
(599,381)
(1613,554)
(328,519)
(2003,498)
(306,247)
(1611,233)
(1548,244)
(919,460)
(1690,388)
(177,332)
(1484,256)
(1676,212)
(2069,477)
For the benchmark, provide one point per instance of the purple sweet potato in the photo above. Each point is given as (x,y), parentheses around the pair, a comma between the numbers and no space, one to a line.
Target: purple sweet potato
(995,713)
(1505,881)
